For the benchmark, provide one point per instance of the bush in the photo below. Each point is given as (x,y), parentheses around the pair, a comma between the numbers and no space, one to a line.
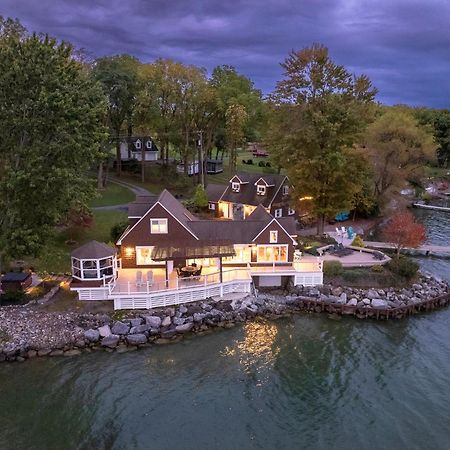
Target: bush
(354,275)
(250,161)
(200,199)
(118,229)
(13,298)
(268,164)
(377,268)
(358,242)
(262,164)
(404,267)
(244,161)
(332,268)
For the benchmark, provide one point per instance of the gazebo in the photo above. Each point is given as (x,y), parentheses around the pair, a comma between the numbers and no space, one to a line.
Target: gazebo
(94,261)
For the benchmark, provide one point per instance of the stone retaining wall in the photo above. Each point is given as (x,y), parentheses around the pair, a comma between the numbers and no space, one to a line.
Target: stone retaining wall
(27,333)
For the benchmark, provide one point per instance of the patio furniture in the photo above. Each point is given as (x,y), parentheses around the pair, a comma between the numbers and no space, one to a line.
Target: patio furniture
(197,273)
(350,233)
(338,231)
(149,276)
(139,278)
(344,230)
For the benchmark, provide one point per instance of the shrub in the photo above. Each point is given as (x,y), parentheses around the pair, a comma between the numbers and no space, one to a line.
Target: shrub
(354,275)
(377,268)
(244,161)
(250,161)
(13,298)
(200,199)
(358,242)
(117,230)
(404,267)
(332,268)
(262,164)
(268,164)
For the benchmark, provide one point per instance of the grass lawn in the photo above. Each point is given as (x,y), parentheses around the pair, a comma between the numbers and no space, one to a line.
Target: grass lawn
(113,195)
(55,256)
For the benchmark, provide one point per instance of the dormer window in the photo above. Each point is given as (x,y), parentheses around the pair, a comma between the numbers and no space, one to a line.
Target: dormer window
(138,144)
(285,189)
(235,186)
(260,190)
(148,144)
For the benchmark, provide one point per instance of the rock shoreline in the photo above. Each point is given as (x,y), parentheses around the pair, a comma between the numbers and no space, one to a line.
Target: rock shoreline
(28,333)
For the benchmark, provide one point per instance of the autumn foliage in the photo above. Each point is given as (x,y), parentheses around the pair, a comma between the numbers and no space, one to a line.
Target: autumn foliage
(403,231)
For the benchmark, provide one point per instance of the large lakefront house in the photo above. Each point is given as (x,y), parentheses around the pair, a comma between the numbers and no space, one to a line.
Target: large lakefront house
(169,256)
(246,191)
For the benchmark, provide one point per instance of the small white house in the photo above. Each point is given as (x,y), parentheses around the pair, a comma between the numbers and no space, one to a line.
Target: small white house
(137,144)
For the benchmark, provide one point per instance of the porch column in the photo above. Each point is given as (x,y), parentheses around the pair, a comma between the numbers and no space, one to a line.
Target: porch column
(167,275)
(220,269)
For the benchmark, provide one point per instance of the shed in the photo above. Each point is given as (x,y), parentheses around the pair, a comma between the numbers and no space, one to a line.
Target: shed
(16,281)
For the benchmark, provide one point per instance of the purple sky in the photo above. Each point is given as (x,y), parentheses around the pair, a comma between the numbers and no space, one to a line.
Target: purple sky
(402,45)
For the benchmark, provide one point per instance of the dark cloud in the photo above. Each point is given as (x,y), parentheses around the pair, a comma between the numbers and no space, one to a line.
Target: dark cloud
(402,45)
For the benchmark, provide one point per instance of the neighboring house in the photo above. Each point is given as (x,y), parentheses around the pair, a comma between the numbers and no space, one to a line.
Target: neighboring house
(134,149)
(257,150)
(245,191)
(163,239)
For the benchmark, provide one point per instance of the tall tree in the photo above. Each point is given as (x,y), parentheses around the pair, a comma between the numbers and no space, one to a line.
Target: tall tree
(236,119)
(119,79)
(52,112)
(319,110)
(398,148)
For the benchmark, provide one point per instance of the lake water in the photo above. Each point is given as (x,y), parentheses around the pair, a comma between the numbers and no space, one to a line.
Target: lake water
(306,382)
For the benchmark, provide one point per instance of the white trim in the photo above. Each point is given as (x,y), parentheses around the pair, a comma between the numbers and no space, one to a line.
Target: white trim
(134,217)
(286,246)
(275,241)
(278,213)
(270,223)
(235,187)
(291,211)
(278,190)
(240,181)
(265,182)
(287,188)
(126,233)
(211,206)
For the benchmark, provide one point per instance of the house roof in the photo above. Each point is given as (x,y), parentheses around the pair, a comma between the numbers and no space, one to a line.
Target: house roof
(260,213)
(93,250)
(141,205)
(15,276)
(168,201)
(214,192)
(247,194)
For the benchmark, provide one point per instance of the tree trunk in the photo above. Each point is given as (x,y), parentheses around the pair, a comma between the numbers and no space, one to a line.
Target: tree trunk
(100,183)
(320,225)
(143,163)
(118,156)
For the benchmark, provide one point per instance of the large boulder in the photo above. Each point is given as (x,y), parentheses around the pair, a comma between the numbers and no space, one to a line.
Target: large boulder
(198,317)
(185,328)
(136,322)
(153,321)
(104,331)
(167,321)
(120,328)
(92,335)
(135,339)
(379,303)
(371,294)
(352,302)
(110,341)
(140,329)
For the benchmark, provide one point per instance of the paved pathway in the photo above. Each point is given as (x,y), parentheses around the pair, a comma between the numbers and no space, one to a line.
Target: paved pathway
(137,190)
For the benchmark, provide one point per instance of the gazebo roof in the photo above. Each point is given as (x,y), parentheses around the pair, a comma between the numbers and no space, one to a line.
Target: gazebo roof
(93,250)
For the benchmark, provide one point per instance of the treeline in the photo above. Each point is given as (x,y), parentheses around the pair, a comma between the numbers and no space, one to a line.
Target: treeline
(61,114)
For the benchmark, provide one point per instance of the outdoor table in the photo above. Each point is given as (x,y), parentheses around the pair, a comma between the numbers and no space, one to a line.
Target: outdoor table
(189,269)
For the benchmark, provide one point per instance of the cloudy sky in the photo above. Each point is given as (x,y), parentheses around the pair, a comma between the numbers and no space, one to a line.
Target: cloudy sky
(402,45)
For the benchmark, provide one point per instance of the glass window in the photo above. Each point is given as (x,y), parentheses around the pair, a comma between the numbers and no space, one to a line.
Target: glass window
(278,212)
(273,237)
(261,190)
(89,273)
(243,254)
(90,264)
(107,262)
(212,206)
(235,186)
(291,212)
(137,144)
(272,253)
(76,263)
(285,189)
(148,144)
(158,226)
(144,256)
(106,272)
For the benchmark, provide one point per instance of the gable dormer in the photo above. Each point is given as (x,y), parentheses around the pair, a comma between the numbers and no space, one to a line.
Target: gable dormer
(138,144)
(262,185)
(236,183)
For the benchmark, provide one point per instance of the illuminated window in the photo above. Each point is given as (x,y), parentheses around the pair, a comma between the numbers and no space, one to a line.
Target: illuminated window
(144,256)
(273,237)
(272,253)
(235,186)
(261,190)
(243,255)
(278,212)
(158,226)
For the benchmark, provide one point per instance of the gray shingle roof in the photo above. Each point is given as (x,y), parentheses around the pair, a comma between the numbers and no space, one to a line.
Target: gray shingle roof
(94,250)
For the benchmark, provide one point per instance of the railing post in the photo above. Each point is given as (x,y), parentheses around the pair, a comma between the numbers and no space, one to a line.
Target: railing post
(129,288)
(148,287)
(177,283)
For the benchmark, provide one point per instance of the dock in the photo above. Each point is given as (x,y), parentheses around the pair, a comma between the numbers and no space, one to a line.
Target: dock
(426,249)
(433,207)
